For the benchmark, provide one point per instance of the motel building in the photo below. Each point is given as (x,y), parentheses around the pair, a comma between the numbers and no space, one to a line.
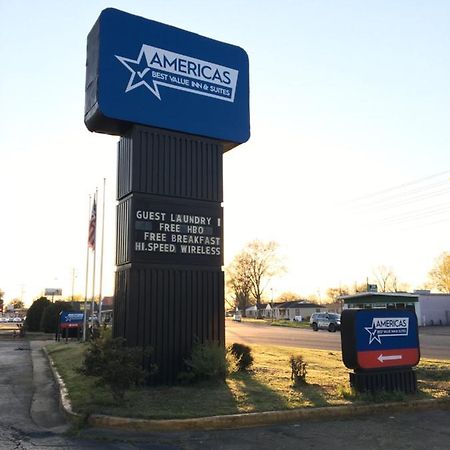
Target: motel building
(431,309)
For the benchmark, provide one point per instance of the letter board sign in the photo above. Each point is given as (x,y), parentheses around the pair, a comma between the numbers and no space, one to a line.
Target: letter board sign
(145,72)
(379,338)
(173,232)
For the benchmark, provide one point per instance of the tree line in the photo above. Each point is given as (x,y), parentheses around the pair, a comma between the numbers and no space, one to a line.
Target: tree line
(251,270)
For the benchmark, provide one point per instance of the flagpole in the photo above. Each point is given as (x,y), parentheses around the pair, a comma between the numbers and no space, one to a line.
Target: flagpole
(93,264)
(87,275)
(101,255)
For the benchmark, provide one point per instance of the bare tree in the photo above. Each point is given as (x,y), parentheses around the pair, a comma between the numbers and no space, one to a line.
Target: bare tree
(264,263)
(334,293)
(16,303)
(386,279)
(251,270)
(238,282)
(288,296)
(440,273)
(357,288)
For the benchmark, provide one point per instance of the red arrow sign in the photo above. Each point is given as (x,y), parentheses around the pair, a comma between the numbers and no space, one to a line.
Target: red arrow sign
(383,358)
(375,359)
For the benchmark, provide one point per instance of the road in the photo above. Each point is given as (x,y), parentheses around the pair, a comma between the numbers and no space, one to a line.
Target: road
(409,430)
(434,341)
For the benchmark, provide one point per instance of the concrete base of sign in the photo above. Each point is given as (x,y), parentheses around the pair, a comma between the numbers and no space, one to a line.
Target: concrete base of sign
(402,380)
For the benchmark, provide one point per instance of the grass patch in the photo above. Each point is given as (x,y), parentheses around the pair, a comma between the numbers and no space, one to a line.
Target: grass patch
(251,320)
(289,324)
(267,387)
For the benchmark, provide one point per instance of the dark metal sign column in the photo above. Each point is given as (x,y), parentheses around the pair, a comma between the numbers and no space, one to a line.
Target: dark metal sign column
(169,282)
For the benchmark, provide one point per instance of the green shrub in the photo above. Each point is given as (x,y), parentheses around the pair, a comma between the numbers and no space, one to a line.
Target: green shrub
(34,313)
(50,316)
(207,362)
(348,393)
(116,365)
(243,355)
(298,369)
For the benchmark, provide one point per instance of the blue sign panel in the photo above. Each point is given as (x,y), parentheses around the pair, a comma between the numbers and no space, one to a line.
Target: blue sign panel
(70,319)
(380,338)
(145,72)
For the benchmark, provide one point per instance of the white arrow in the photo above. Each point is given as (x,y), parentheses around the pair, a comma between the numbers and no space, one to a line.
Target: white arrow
(383,358)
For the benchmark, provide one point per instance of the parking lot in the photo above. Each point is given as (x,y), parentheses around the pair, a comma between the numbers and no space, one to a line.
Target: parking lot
(9,319)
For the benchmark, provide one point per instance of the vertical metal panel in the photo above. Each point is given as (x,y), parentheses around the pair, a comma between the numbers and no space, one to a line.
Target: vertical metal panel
(124,167)
(120,301)
(166,163)
(123,250)
(168,309)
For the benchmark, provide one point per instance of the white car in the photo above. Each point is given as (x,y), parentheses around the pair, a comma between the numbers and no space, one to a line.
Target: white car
(325,321)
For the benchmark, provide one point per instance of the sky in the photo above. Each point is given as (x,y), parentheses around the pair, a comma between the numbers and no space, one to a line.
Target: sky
(347,167)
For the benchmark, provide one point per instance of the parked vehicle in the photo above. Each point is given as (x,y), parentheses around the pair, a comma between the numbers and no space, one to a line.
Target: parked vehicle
(237,317)
(325,321)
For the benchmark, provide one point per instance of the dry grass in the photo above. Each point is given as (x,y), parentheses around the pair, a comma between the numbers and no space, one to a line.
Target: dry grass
(266,387)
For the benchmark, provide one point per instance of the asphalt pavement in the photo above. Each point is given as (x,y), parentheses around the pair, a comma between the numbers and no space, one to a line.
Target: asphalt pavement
(414,431)
(30,419)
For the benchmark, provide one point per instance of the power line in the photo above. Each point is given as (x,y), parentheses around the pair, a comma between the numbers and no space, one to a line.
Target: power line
(407,199)
(413,202)
(400,186)
(411,215)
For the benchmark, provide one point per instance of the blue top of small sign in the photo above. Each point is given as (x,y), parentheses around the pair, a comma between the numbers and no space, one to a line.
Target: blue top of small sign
(383,329)
(71,317)
(145,72)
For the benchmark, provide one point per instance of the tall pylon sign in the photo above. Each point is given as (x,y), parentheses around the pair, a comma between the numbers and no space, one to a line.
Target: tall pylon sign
(179,101)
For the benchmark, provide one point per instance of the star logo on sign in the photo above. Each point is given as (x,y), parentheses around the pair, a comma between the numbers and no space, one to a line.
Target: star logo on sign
(139,69)
(373,334)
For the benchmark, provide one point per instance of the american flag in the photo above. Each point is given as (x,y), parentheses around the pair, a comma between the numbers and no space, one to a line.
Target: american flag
(92,226)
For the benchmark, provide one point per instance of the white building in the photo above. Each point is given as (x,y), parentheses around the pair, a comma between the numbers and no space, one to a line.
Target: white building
(431,309)
(284,310)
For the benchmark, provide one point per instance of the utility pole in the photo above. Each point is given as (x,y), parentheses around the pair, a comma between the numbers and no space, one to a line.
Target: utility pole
(73,282)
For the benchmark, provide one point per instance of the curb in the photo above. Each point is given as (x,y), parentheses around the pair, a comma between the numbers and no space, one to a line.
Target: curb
(237,420)
(260,419)
(64,400)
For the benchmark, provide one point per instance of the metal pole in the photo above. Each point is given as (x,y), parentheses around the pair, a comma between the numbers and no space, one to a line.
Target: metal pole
(93,269)
(101,256)
(73,281)
(87,274)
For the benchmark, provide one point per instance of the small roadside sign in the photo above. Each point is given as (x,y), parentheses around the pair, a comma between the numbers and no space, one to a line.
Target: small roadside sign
(379,339)
(69,319)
